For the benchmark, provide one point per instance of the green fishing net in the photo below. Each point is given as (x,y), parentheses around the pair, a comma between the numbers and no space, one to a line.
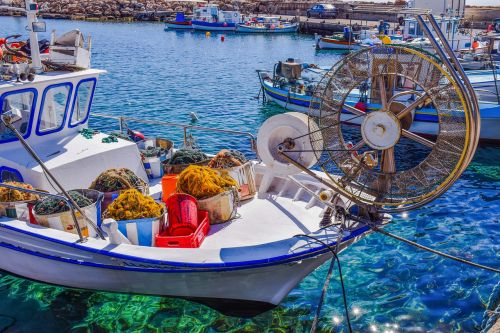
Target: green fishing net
(118,179)
(187,156)
(51,205)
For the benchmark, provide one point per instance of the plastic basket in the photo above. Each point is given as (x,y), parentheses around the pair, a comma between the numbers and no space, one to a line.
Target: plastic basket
(192,240)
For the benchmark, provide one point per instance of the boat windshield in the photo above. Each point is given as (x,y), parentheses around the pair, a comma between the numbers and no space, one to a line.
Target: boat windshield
(53,111)
(22,103)
(83,99)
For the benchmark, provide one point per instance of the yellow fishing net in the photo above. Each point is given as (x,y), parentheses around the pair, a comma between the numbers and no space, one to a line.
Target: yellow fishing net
(203,182)
(132,204)
(9,195)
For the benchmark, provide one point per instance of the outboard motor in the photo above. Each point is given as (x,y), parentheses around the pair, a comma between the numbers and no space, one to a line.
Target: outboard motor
(347,33)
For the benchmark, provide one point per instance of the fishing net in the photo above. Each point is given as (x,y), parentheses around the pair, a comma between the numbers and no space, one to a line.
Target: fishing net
(131,205)
(204,182)
(187,156)
(10,195)
(118,179)
(227,159)
(51,205)
(153,152)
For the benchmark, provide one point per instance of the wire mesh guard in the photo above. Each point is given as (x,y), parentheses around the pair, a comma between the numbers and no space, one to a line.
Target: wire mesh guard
(383,162)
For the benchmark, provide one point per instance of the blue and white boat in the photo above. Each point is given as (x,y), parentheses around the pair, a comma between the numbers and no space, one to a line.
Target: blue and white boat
(180,22)
(211,18)
(296,94)
(268,25)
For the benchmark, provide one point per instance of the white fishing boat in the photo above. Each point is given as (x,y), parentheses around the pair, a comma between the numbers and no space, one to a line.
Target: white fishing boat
(249,264)
(211,18)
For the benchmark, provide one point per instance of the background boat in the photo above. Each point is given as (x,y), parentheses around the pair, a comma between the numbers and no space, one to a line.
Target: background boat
(267,25)
(180,22)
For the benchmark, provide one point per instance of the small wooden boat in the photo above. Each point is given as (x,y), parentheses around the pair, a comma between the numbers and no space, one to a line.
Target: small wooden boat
(271,25)
(180,22)
(337,42)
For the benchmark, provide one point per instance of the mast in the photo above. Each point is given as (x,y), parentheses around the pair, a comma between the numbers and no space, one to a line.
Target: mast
(31,11)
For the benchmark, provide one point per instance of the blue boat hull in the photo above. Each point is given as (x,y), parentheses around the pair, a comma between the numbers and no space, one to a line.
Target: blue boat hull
(425,121)
(213,26)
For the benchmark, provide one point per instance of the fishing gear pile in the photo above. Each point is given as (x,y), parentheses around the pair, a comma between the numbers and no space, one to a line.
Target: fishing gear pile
(227,158)
(51,205)
(153,152)
(10,195)
(132,204)
(203,182)
(118,179)
(187,156)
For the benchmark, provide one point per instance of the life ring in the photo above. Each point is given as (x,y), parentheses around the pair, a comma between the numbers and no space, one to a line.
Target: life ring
(235,14)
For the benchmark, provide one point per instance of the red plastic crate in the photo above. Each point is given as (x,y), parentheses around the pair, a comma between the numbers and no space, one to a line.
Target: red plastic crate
(190,241)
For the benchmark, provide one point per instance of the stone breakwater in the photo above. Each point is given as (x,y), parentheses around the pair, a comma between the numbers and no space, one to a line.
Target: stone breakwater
(121,9)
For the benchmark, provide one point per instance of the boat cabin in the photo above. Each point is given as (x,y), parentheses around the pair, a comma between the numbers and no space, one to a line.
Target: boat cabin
(449,26)
(211,13)
(50,112)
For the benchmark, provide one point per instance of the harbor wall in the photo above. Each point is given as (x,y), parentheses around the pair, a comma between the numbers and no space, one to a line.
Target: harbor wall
(155,10)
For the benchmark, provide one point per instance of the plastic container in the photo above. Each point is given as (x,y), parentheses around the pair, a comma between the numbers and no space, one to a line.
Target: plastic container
(221,207)
(168,186)
(142,231)
(20,210)
(64,221)
(245,177)
(192,240)
(182,214)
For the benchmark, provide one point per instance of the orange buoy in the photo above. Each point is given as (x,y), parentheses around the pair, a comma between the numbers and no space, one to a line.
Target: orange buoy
(475,45)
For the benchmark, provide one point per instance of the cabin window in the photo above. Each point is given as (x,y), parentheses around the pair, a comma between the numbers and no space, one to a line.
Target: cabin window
(22,102)
(54,107)
(82,102)
(412,28)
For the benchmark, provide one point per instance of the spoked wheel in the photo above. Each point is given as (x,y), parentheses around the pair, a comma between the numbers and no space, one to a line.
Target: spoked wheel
(386,161)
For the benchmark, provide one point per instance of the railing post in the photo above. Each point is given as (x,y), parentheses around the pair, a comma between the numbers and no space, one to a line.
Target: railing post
(120,121)
(185,136)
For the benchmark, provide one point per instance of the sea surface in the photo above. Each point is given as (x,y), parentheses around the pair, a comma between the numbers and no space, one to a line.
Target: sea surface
(391,287)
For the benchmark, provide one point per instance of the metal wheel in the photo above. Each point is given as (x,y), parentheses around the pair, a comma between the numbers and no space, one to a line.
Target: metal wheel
(385,161)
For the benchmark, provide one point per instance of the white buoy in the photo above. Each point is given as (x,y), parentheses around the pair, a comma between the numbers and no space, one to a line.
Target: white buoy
(194,117)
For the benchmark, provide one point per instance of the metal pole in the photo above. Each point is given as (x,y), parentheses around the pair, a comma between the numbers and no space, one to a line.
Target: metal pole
(31,10)
(22,189)
(6,121)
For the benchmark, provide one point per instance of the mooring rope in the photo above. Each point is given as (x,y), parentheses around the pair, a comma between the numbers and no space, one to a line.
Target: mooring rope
(425,248)
(327,282)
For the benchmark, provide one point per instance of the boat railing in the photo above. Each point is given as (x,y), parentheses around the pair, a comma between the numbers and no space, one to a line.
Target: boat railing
(59,197)
(122,120)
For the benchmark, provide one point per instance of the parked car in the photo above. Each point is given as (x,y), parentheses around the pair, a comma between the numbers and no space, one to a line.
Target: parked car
(322,10)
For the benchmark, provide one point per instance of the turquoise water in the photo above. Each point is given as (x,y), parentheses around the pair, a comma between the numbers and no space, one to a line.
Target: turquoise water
(391,287)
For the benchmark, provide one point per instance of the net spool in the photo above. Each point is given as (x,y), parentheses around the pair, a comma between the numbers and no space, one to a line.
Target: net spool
(277,130)
(411,169)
